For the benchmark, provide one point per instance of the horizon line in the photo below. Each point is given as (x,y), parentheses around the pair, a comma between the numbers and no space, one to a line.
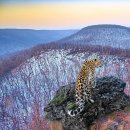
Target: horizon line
(22,28)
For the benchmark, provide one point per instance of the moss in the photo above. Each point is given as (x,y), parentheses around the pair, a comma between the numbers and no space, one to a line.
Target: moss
(58,99)
(126,109)
(71,106)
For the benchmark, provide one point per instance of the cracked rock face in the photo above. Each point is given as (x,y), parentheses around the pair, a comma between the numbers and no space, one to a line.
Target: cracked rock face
(108,97)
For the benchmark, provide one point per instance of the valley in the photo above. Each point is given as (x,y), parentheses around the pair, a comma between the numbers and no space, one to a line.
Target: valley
(30,78)
(13,40)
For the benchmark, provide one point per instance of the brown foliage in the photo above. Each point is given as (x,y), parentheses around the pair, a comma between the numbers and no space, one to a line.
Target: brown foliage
(11,62)
(118,121)
(37,122)
(56,125)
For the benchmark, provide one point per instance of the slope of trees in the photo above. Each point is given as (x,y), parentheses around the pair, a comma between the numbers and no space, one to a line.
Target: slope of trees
(10,62)
(28,88)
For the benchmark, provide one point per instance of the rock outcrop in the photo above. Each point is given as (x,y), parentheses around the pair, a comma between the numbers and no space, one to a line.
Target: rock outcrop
(108,95)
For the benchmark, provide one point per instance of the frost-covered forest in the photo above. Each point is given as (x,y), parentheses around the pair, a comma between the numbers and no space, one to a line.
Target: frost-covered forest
(30,78)
(26,89)
(115,36)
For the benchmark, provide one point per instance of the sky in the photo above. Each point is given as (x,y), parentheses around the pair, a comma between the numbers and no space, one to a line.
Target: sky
(63,14)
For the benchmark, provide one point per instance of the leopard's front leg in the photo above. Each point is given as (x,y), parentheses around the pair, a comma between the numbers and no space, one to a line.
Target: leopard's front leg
(92,79)
(88,92)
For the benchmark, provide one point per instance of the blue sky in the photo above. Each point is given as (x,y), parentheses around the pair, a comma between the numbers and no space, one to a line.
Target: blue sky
(53,1)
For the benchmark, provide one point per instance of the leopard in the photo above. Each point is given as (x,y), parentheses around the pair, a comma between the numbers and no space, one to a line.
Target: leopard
(85,80)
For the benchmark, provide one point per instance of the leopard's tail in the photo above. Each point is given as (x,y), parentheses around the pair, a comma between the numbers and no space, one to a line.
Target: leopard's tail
(76,111)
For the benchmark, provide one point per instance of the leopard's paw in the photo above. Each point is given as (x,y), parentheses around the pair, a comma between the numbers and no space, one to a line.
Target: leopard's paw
(91,100)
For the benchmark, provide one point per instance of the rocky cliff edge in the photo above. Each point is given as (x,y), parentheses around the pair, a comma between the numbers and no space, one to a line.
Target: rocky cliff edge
(108,95)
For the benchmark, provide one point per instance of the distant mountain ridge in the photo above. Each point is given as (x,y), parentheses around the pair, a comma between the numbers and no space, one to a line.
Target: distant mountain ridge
(105,35)
(12,40)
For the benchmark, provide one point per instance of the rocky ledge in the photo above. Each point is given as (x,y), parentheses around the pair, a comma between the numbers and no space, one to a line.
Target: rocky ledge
(108,95)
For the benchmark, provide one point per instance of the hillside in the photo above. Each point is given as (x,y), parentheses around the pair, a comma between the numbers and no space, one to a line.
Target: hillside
(28,88)
(29,79)
(105,35)
(12,40)
(71,42)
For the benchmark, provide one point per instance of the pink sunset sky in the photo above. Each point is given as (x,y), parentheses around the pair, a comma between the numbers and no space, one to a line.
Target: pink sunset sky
(63,14)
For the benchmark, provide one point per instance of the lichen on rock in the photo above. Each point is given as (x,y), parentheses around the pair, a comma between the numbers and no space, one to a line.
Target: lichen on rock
(59,99)
(108,97)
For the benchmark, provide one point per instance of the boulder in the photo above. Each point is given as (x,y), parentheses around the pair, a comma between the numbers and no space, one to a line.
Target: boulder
(108,97)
